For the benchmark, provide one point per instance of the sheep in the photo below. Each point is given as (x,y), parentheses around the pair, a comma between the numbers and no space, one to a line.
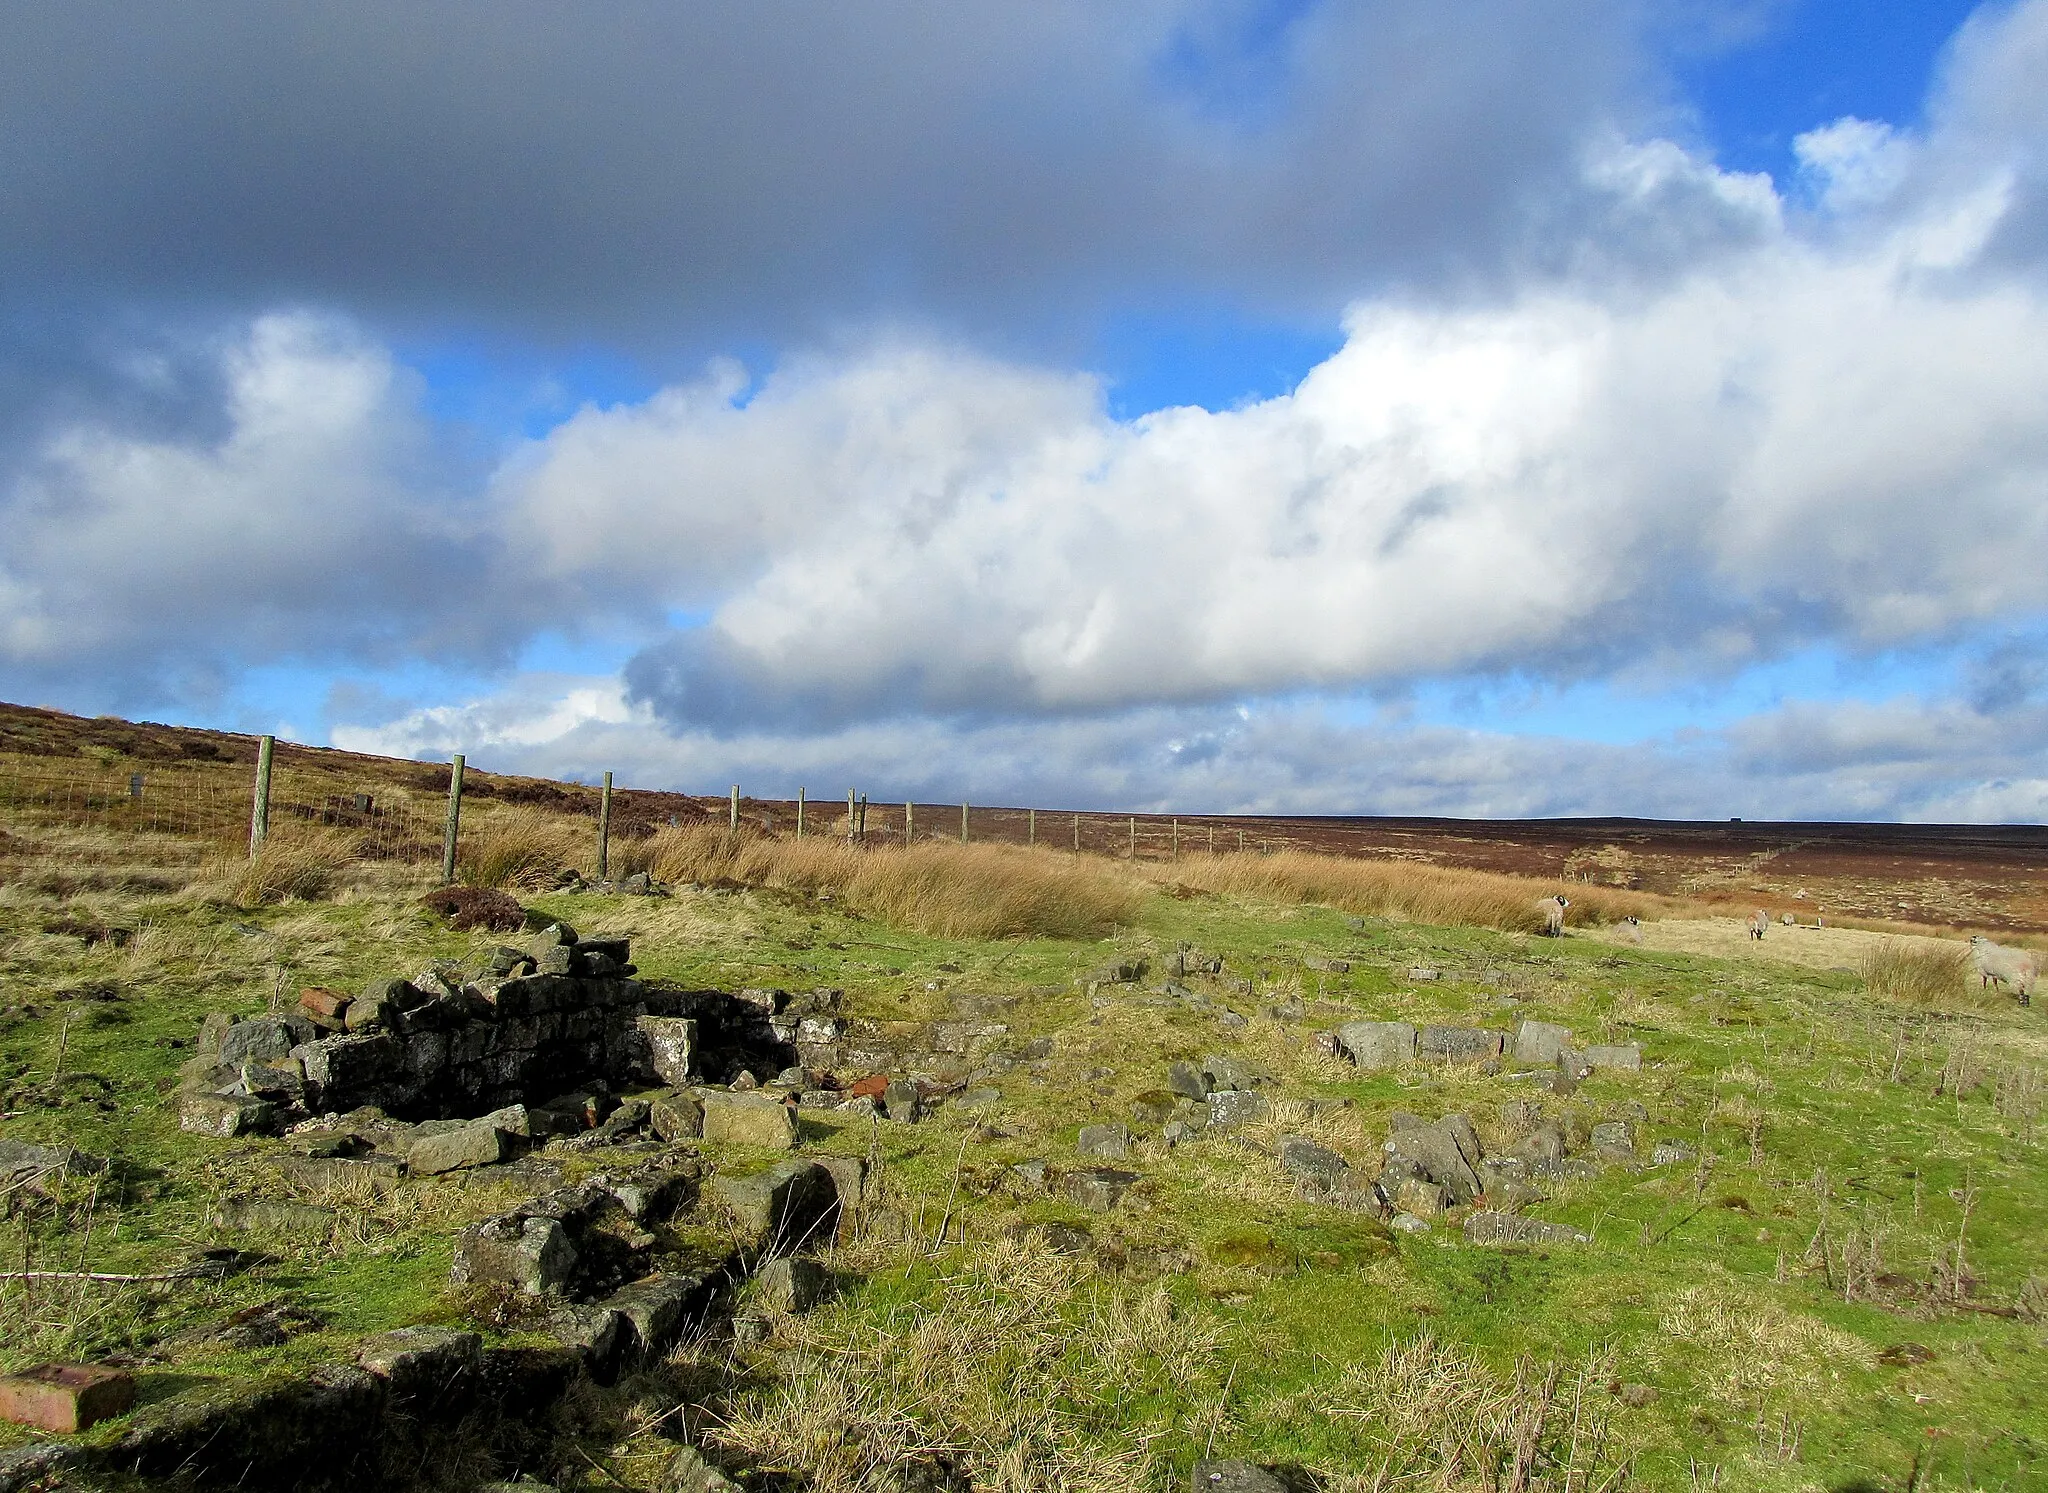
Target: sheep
(2007,966)
(1552,910)
(1759,925)
(1632,928)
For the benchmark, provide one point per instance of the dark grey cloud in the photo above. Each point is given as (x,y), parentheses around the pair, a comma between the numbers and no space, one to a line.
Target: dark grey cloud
(720,171)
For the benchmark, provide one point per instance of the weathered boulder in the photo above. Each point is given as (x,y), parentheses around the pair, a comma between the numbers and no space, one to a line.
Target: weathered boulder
(1541,1043)
(1225,1072)
(1627,1056)
(1229,1108)
(435,1148)
(225,1115)
(1615,1140)
(1317,1165)
(1110,1142)
(1446,1153)
(1235,1477)
(1098,1189)
(1188,1081)
(1375,1045)
(746,1119)
(902,1103)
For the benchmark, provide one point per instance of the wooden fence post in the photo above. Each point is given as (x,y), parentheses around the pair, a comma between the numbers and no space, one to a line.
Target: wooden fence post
(1077,832)
(1031,826)
(604,830)
(259,817)
(1134,837)
(863,816)
(735,805)
(454,820)
(799,811)
(849,816)
(1240,842)
(1176,839)
(909,823)
(963,824)
(1212,839)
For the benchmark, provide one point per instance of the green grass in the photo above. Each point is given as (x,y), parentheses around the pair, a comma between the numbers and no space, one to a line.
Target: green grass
(1816,1100)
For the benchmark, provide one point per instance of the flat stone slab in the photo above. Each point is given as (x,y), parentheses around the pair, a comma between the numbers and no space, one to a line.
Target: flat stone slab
(1489,1227)
(1377,1044)
(65,1397)
(1098,1189)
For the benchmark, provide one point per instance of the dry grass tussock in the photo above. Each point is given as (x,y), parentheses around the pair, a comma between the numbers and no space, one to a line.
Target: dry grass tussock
(947,891)
(1428,1414)
(1920,973)
(516,847)
(1026,1370)
(1757,1349)
(1402,889)
(304,866)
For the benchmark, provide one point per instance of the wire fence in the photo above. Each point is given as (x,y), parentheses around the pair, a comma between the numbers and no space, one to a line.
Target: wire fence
(396,811)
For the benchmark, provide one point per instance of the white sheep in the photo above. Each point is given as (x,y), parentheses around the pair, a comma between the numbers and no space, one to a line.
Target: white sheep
(1552,909)
(2015,967)
(1760,924)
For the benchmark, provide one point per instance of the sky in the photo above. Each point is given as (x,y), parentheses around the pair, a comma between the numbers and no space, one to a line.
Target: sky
(1501,409)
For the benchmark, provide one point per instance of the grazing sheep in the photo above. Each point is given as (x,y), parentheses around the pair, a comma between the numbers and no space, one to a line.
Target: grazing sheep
(1788,920)
(1760,924)
(1632,928)
(1552,909)
(1992,961)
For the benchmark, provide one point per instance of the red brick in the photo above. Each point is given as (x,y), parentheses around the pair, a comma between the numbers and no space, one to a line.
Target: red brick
(65,1397)
(328,1007)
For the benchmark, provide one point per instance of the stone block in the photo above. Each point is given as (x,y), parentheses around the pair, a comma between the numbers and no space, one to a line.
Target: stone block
(1615,1140)
(478,1143)
(792,1284)
(1490,1227)
(1110,1142)
(1374,1045)
(1235,1477)
(1421,1198)
(747,1119)
(655,1310)
(1316,1164)
(1098,1189)
(1188,1081)
(1541,1043)
(261,1040)
(422,1364)
(1627,1056)
(675,1117)
(328,1008)
(1434,1152)
(65,1397)
(345,1072)
(1458,1044)
(225,1115)
(1229,1108)
(902,1103)
(1224,1072)
(670,1044)
(849,1177)
(654,1193)
(598,1333)
(533,1255)
(783,1208)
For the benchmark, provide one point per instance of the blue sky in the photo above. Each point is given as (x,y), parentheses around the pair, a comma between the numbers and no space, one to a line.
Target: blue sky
(1634,410)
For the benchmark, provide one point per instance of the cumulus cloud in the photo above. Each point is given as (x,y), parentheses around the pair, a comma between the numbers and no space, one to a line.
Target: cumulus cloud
(1823,431)
(312,521)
